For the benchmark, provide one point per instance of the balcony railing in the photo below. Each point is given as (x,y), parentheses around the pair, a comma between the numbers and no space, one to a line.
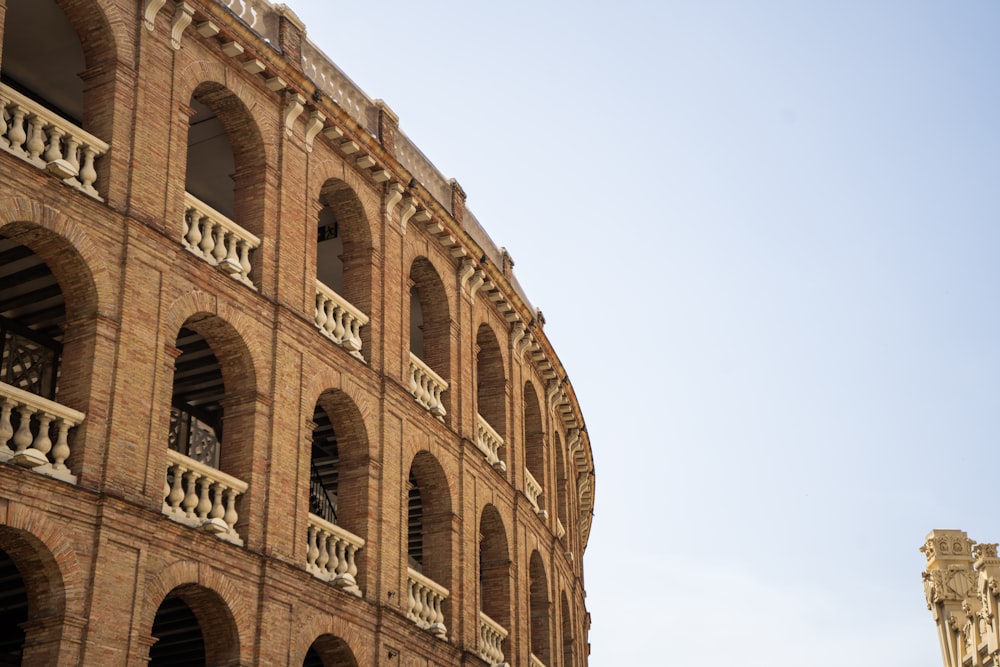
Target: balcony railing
(27,422)
(535,662)
(491,636)
(41,137)
(331,554)
(533,490)
(424,603)
(217,239)
(338,320)
(489,442)
(201,496)
(427,387)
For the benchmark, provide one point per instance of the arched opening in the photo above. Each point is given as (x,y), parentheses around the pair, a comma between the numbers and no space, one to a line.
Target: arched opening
(224,182)
(539,609)
(494,586)
(329,651)
(430,322)
(32,321)
(43,69)
(196,403)
(567,634)
(32,600)
(211,427)
(534,448)
(194,627)
(430,337)
(13,612)
(343,267)
(491,397)
(563,524)
(338,490)
(34,312)
(42,57)
(428,544)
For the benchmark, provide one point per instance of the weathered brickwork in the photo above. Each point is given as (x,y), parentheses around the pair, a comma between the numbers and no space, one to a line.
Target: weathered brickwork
(241,476)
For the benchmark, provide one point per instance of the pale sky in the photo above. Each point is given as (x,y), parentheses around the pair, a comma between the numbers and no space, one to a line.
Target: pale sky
(765,237)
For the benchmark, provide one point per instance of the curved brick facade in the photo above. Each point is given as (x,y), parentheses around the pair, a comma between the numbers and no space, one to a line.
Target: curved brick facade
(303,414)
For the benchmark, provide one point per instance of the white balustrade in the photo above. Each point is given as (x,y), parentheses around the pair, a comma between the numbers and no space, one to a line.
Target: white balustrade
(331,554)
(424,603)
(217,239)
(201,496)
(339,320)
(491,636)
(41,137)
(534,661)
(415,162)
(331,80)
(32,440)
(260,15)
(427,386)
(533,490)
(560,529)
(489,442)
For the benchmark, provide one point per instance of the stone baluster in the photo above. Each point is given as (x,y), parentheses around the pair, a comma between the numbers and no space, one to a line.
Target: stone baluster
(339,320)
(201,496)
(533,490)
(426,598)
(30,445)
(35,134)
(489,443)
(332,554)
(491,636)
(427,387)
(217,239)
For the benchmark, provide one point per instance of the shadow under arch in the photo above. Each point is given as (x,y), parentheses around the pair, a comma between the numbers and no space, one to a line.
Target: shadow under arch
(534,439)
(430,524)
(181,627)
(430,317)
(33,598)
(49,320)
(539,609)
(495,570)
(329,651)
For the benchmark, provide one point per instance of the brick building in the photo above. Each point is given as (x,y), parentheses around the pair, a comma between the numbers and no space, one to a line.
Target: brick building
(269,393)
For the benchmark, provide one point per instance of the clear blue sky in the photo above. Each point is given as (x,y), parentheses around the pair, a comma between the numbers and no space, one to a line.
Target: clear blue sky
(765,238)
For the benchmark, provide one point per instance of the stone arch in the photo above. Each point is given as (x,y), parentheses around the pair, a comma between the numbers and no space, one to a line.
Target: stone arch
(78,77)
(226,159)
(58,330)
(329,651)
(213,597)
(562,488)
(430,327)
(436,514)
(239,380)
(339,466)
(491,381)
(430,523)
(567,632)
(534,437)
(352,640)
(495,570)
(191,609)
(65,246)
(539,605)
(429,318)
(48,572)
(344,251)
